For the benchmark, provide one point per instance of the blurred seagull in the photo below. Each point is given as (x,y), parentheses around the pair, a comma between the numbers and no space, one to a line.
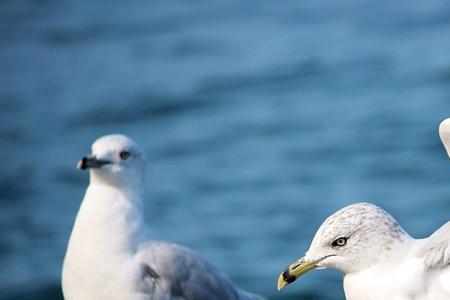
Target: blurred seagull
(112,256)
(378,258)
(444,133)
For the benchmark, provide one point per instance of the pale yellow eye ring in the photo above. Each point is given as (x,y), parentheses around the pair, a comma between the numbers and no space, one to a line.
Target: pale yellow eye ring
(340,242)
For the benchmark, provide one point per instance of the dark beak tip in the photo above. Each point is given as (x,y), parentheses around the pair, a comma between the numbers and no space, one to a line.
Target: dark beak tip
(91,162)
(288,277)
(82,163)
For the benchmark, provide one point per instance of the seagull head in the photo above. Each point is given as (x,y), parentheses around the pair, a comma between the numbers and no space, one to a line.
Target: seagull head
(350,240)
(115,160)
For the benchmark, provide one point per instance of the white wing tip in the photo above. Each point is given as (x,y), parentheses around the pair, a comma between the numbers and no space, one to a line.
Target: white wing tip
(444,134)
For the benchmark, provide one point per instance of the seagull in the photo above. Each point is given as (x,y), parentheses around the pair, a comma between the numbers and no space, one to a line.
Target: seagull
(379,259)
(444,134)
(111,254)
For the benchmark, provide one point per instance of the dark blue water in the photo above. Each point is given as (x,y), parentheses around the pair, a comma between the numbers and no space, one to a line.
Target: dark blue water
(258,119)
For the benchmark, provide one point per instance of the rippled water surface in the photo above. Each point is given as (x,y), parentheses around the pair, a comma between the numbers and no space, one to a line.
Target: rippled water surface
(258,121)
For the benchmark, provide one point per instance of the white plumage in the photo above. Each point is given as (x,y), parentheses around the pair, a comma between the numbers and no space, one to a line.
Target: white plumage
(112,256)
(378,258)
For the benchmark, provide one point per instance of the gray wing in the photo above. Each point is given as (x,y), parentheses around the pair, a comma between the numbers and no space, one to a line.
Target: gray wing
(436,252)
(170,271)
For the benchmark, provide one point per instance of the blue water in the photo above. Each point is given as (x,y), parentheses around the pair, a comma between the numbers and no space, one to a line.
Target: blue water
(259,119)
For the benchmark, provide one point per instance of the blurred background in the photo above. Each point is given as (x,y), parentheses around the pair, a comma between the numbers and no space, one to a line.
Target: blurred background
(258,119)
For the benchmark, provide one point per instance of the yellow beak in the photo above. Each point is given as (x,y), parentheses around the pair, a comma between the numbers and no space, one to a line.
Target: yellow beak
(294,271)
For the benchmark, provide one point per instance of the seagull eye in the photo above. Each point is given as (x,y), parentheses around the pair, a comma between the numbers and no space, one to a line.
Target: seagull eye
(340,242)
(124,155)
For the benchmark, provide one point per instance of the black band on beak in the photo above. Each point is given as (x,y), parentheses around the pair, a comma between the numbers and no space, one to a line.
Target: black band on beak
(88,162)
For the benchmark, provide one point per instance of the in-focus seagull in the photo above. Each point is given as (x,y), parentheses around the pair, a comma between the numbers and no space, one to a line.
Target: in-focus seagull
(378,258)
(112,256)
